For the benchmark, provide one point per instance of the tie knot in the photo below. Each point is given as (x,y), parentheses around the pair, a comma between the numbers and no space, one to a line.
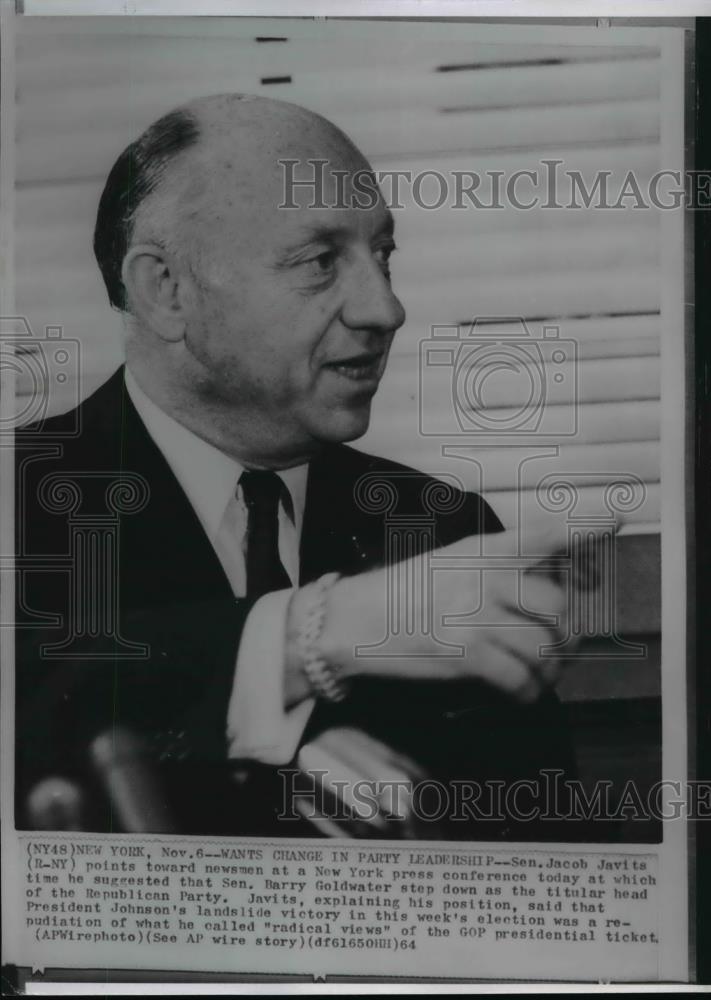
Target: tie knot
(261,489)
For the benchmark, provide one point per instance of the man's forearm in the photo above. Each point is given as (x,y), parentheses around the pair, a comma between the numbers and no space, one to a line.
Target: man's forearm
(491,636)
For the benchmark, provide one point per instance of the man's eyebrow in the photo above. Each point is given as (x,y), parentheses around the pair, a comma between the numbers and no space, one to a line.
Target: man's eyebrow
(319,233)
(329,233)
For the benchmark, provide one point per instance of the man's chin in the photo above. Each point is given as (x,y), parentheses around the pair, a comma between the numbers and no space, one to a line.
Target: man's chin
(344,425)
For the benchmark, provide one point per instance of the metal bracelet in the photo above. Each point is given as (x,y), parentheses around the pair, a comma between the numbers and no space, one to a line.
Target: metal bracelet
(311,616)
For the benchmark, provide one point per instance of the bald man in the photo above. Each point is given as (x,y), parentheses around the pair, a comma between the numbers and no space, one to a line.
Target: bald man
(250,577)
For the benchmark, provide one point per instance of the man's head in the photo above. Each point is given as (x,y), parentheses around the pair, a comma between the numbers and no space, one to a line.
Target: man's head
(264,329)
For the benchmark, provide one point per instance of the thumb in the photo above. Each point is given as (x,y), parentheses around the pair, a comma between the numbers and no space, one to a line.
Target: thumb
(576,548)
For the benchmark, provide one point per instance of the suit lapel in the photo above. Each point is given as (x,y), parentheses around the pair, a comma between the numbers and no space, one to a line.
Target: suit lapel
(336,536)
(166,557)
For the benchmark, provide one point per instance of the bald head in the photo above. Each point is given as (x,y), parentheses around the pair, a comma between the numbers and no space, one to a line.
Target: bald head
(198,160)
(264,330)
(264,125)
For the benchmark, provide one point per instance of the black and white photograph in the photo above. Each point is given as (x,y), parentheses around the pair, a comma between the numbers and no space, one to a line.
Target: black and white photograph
(348,450)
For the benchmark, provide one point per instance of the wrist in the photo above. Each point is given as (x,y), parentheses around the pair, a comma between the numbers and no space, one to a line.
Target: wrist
(354,616)
(306,620)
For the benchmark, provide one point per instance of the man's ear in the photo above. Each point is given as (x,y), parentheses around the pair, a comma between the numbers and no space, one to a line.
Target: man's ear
(153,285)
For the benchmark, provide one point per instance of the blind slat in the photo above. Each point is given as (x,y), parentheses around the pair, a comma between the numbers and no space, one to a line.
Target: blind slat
(407,351)
(584,330)
(507,505)
(597,423)
(469,255)
(598,380)
(509,468)
(627,290)
(164,60)
(525,253)
(414,89)
(91,153)
(641,157)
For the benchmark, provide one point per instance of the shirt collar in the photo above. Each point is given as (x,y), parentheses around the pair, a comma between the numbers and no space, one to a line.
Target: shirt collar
(207,475)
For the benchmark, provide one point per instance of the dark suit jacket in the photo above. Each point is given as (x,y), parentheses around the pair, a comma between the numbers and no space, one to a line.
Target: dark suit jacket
(78,675)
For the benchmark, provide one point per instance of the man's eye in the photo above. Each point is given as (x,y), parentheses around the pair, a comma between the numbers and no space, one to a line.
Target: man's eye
(383,255)
(322,265)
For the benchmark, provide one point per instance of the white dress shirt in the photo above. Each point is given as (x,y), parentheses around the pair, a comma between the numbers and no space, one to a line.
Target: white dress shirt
(257,725)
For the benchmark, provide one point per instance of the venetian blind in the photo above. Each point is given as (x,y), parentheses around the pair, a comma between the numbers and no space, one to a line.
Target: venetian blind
(415,98)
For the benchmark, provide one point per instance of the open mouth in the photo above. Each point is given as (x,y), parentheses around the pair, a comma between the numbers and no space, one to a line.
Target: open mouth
(359,368)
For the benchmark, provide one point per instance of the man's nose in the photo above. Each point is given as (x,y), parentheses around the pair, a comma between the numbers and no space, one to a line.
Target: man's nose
(370,301)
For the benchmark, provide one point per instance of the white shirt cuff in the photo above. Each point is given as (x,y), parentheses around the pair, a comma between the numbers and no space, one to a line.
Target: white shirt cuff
(258,727)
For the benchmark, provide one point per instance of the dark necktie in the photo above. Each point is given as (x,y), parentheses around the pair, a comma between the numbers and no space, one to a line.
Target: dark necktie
(262,492)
